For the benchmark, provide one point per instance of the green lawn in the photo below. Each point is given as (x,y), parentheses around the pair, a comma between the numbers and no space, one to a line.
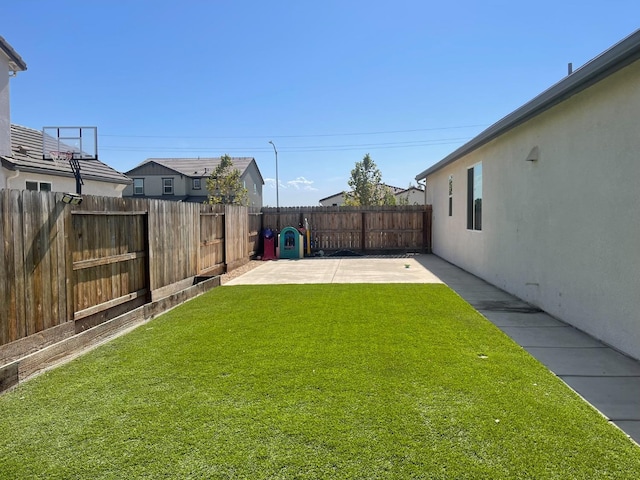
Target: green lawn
(309,381)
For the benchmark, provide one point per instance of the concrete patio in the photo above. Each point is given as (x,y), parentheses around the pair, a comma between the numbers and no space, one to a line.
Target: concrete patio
(607,379)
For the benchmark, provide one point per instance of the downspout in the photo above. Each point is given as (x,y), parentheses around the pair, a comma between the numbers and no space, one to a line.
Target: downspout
(425,189)
(17,174)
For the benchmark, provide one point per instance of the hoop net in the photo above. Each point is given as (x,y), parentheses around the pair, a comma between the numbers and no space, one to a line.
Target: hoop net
(60,157)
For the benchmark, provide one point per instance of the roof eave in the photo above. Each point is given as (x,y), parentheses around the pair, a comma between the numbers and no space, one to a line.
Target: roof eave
(16,63)
(9,165)
(617,57)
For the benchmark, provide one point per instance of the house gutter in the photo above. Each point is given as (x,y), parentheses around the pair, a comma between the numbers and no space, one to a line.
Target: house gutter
(617,57)
(16,63)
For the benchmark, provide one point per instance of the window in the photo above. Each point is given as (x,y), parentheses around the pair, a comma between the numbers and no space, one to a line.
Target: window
(474,197)
(167,186)
(39,186)
(450,195)
(196,184)
(138,186)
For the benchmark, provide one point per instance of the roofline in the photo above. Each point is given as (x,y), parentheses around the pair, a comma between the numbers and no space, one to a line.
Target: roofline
(607,63)
(331,196)
(9,165)
(153,160)
(16,63)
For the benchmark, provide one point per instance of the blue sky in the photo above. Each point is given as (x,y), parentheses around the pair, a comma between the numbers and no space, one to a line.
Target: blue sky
(328,82)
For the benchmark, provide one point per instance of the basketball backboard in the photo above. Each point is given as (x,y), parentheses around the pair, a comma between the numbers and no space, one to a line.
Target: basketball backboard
(82,142)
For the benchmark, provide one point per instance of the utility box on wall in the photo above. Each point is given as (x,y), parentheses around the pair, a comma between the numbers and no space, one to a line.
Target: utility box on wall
(291,243)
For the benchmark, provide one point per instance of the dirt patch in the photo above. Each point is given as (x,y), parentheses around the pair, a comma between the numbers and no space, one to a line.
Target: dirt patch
(247,267)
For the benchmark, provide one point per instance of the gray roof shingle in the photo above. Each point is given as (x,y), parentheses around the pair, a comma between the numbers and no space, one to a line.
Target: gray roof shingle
(26,156)
(196,167)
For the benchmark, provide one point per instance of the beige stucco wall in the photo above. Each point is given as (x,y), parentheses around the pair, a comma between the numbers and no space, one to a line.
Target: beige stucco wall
(563,232)
(413,197)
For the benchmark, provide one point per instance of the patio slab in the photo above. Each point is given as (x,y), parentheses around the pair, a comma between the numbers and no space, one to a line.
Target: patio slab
(338,270)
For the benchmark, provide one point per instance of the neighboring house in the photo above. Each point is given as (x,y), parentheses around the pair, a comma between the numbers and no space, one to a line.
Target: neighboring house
(334,200)
(185,179)
(25,169)
(410,196)
(544,203)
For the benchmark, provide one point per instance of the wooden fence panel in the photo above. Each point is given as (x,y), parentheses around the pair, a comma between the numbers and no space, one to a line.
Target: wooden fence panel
(109,260)
(236,236)
(212,240)
(363,229)
(174,243)
(255,231)
(32,275)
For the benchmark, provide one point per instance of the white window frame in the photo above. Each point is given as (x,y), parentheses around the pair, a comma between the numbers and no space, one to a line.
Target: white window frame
(167,186)
(138,190)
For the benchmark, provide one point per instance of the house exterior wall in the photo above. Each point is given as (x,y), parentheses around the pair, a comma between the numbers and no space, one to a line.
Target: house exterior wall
(5,117)
(413,196)
(252,181)
(18,180)
(561,233)
(334,200)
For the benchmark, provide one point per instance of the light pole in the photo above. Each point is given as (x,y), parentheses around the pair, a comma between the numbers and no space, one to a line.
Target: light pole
(277,184)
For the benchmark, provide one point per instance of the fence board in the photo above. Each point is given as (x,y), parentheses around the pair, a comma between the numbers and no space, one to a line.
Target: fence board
(211,239)
(236,236)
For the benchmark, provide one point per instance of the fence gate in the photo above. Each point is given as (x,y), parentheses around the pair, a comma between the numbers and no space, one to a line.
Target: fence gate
(110,265)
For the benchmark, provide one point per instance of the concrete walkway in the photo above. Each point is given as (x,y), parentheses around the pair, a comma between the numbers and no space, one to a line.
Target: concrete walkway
(605,378)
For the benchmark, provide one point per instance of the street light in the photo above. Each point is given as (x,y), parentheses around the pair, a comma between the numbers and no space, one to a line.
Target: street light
(277,184)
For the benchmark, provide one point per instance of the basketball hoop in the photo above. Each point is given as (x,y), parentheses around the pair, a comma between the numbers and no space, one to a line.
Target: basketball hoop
(60,157)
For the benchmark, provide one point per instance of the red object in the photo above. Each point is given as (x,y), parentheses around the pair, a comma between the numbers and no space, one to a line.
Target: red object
(269,249)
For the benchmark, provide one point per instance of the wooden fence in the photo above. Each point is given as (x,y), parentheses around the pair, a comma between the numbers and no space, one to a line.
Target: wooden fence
(64,269)
(386,229)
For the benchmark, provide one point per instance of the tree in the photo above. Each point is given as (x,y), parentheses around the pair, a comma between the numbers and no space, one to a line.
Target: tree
(367,187)
(224,185)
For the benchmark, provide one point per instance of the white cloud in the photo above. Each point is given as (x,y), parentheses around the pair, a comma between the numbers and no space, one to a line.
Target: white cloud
(302,183)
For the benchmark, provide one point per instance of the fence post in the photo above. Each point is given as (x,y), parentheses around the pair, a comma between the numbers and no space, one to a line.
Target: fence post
(426,229)
(363,235)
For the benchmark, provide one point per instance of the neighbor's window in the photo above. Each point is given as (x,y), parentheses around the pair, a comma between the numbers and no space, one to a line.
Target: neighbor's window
(474,197)
(38,186)
(196,184)
(138,186)
(167,186)
(450,195)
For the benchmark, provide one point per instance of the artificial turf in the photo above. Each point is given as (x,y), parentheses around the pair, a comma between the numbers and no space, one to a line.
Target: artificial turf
(309,381)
